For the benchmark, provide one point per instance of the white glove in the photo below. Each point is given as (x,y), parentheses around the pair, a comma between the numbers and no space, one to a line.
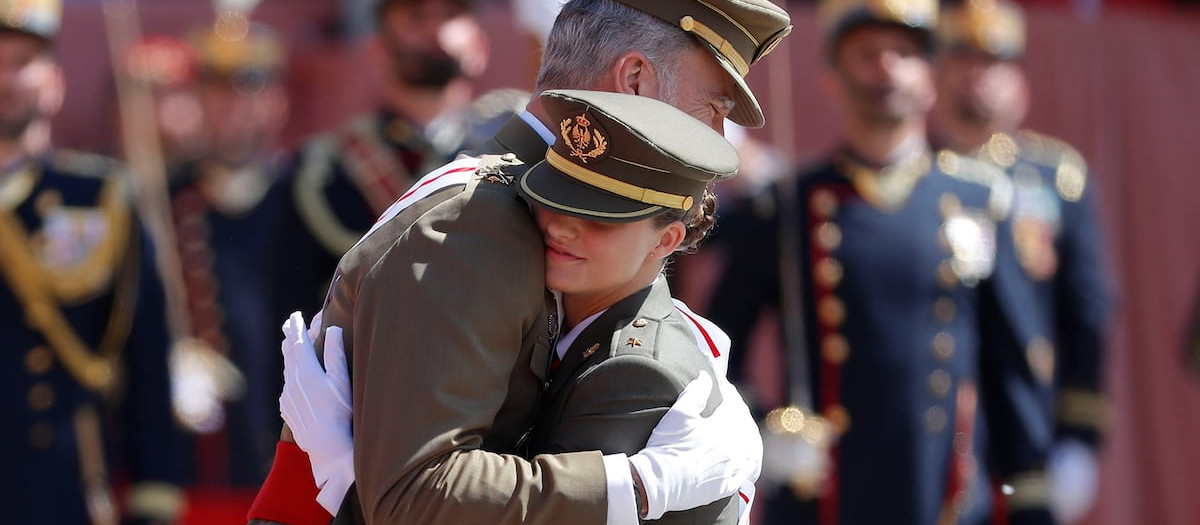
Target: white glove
(1074,480)
(315,403)
(692,460)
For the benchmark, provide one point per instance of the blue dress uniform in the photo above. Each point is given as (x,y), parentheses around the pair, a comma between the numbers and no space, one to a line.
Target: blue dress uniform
(225,281)
(906,303)
(1057,243)
(86,389)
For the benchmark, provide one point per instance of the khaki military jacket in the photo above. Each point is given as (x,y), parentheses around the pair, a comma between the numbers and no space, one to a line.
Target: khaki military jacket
(447,333)
(617,380)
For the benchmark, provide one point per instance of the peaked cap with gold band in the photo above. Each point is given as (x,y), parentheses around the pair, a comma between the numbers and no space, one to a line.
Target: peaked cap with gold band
(836,17)
(622,158)
(737,32)
(994,27)
(35,17)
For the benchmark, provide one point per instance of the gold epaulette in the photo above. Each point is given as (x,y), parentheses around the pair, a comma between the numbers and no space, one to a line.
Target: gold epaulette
(1082,408)
(969,169)
(1070,169)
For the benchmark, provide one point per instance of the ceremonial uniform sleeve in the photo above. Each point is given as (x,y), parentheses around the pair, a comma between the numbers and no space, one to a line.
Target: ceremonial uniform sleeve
(614,407)
(1017,403)
(748,285)
(1084,303)
(437,326)
(150,439)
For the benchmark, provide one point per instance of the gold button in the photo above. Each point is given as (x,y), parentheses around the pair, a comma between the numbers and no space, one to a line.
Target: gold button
(639,323)
(935,419)
(41,397)
(943,346)
(944,309)
(946,276)
(824,204)
(1040,354)
(687,23)
(947,162)
(39,360)
(940,382)
(829,272)
(949,205)
(832,311)
(838,418)
(41,435)
(835,349)
(829,236)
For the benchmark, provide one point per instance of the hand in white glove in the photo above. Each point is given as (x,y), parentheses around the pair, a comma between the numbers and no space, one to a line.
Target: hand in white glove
(1074,480)
(315,403)
(692,460)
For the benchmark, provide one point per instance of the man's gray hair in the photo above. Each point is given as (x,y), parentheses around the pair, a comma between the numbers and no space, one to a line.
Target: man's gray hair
(589,35)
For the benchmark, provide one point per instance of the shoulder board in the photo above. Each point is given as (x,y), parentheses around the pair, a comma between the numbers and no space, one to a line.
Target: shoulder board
(1070,170)
(975,171)
(501,169)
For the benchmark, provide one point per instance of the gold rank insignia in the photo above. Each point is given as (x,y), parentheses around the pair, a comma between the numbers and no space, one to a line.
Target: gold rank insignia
(584,139)
(591,350)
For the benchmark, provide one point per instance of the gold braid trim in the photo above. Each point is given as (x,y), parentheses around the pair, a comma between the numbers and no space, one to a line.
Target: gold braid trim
(314,210)
(1029,491)
(42,313)
(1083,408)
(96,271)
(155,500)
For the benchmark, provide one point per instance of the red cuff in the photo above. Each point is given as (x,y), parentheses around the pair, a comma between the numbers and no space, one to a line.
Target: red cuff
(289,495)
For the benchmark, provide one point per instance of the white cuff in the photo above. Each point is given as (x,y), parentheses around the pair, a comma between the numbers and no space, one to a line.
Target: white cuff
(335,488)
(622,505)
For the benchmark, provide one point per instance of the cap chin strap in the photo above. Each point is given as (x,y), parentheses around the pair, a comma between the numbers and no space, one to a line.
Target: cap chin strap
(719,43)
(624,189)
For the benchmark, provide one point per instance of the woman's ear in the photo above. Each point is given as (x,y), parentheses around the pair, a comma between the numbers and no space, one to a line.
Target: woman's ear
(670,239)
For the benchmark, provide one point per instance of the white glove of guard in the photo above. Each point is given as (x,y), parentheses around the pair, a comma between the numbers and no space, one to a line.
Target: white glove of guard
(1074,480)
(315,403)
(692,460)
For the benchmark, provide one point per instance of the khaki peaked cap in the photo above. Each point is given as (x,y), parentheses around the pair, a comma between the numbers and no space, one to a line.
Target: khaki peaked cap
(621,158)
(738,33)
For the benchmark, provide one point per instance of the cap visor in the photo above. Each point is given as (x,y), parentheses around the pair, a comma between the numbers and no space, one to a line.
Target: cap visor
(547,187)
(746,111)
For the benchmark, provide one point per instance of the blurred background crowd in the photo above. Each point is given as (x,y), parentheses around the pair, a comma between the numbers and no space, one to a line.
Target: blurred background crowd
(257,140)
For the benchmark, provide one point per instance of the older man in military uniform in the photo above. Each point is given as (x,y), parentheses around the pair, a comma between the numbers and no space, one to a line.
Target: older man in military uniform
(447,325)
(982,100)
(85,337)
(888,266)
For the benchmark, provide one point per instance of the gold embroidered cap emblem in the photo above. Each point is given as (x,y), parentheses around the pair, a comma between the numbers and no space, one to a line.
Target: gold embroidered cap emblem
(583,139)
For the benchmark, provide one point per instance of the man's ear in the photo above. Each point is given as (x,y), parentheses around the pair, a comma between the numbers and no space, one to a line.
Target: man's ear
(632,74)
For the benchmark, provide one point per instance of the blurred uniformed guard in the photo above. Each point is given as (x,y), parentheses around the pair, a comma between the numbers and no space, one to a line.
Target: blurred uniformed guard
(341,181)
(221,220)
(982,101)
(86,391)
(892,270)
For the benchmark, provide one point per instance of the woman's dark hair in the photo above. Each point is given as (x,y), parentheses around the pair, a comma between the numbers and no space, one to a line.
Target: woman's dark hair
(699,221)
